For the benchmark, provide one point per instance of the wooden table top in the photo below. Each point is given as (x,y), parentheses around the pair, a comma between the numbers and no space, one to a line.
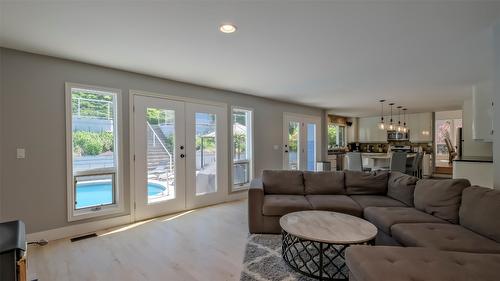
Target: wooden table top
(328,227)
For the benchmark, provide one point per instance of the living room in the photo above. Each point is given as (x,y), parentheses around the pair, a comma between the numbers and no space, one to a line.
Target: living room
(249,140)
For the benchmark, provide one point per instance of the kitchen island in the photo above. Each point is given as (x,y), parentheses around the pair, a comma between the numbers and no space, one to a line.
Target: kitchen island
(478,170)
(377,160)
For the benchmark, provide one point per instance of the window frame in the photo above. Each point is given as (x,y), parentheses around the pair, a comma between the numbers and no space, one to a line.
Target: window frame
(235,187)
(118,206)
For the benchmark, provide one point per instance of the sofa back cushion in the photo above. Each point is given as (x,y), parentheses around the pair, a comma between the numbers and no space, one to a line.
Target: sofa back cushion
(440,198)
(283,182)
(480,211)
(357,182)
(401,187)
(317,183)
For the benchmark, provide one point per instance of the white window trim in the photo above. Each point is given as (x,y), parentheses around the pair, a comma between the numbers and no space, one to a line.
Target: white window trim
(235,188)
(119,206)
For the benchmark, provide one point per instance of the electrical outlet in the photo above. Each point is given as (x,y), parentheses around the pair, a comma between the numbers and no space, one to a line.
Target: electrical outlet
(21,153)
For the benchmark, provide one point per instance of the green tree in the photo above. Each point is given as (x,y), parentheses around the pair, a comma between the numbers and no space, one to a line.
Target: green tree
(332,135)
(91,143)
(240,143)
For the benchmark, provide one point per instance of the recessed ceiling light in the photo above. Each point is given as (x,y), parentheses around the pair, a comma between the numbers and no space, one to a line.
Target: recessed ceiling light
(227,28)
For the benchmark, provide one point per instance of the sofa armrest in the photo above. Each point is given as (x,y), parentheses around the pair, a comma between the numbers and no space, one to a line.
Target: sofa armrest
(255,203)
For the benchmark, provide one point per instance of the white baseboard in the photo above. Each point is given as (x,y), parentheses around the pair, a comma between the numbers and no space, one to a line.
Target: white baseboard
(78,229)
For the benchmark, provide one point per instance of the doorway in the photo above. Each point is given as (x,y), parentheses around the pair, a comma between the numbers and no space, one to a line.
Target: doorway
(447,139)
(301,141)
(180,155)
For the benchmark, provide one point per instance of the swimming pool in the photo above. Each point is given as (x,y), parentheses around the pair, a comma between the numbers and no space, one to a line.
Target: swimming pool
(97,193)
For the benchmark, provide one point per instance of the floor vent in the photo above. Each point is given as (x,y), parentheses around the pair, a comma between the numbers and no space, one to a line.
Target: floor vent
(86,236)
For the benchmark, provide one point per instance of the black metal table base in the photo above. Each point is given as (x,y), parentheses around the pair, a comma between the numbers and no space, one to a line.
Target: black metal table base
(318,260)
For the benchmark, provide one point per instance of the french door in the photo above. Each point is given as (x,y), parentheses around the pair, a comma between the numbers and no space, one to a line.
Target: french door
(301,142)
(180,155)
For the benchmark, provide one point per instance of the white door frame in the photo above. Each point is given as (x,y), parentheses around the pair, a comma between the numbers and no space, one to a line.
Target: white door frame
(144,209)
(193,200)
(302,119)
(133,93)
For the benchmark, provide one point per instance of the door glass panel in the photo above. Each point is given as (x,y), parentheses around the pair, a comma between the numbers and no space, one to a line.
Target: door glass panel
(206,153)
(311,146)
(293,145)
(160,150)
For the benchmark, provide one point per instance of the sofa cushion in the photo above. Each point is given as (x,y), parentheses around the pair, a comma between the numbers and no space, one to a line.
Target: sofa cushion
(335,203)
(385,217)
(366,183)
(324,182)
(480,211)
(440,198)
(401,187)
(279,205)
(448,237)
(376,201)
(283,182)
(368,263)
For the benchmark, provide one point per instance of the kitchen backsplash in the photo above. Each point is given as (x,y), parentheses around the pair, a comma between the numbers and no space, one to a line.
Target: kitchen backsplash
(383,147)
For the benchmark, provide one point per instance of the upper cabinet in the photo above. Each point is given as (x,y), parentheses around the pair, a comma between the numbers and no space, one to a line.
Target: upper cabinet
(419,125)
(482,112)
(368,130)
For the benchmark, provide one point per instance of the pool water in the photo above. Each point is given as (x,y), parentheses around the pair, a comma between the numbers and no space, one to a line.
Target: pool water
(100,193)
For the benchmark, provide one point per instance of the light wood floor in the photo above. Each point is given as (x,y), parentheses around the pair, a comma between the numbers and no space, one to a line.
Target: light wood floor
(205,244)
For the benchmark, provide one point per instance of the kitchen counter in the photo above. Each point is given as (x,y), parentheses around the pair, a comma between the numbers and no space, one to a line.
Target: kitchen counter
(478,170)
(480,159)
(330,152)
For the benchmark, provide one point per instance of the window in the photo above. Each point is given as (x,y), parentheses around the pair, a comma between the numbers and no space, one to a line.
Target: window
(242,147)
(93,160)
(336,136)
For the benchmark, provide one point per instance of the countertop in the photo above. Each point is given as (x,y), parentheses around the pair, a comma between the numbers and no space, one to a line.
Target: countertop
(480,159)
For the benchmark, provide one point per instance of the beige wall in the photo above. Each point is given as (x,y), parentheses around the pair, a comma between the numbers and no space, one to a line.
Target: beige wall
(472,147)
(496,99)
(1,114)
(35,188)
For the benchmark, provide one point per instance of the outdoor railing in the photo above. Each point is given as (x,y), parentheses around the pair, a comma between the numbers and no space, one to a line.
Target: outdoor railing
(241,170)
(106,115)
(156,139)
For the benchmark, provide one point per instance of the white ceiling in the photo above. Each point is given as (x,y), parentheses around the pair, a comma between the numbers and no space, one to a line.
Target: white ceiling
(343,55)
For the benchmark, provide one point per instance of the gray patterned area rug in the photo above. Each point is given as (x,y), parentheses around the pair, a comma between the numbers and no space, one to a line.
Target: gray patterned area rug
(263,261)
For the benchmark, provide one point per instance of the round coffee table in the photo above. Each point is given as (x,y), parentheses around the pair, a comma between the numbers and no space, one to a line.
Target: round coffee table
(314,242)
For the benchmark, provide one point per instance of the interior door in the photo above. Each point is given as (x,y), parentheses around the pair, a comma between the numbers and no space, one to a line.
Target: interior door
(207,158)
(160,173)
(302,140)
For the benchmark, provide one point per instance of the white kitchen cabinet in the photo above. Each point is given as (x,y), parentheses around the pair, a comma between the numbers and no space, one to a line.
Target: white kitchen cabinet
(368,130)
(420,126)
(482,112)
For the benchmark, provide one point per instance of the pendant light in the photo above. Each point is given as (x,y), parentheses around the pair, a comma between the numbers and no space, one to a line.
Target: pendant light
(381,125)
(399,128)
(405,129)
(391,124)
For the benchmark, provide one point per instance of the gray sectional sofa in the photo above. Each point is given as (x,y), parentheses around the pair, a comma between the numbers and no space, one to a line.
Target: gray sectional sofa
(446,226)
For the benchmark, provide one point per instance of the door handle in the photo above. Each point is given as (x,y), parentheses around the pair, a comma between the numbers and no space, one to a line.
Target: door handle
(182,155)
